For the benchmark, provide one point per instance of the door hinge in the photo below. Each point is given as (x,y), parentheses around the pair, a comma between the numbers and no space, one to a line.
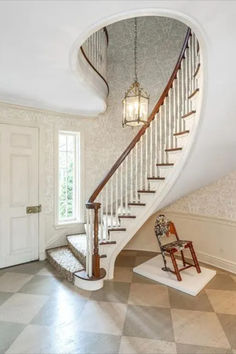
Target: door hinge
(34,209)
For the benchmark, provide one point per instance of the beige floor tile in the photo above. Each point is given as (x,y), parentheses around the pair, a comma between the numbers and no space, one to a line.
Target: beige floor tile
(124,274)
(222,301)
(198,328)
(12,282)
(103,317)
(148,295)
(21,308)
(228,323)
(132,345)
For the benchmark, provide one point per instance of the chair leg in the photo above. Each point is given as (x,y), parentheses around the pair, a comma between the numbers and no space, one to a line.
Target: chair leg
(175,267)
(183,259)
(194,258)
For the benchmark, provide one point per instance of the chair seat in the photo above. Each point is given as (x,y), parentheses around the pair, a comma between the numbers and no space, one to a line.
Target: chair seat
(176,246)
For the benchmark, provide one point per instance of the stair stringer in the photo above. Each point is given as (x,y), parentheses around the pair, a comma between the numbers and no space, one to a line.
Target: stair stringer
(154,201)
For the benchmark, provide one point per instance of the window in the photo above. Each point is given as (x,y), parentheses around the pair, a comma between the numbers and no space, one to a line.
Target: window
(68,181)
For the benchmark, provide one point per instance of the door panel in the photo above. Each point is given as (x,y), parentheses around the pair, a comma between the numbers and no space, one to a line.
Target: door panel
(18,189)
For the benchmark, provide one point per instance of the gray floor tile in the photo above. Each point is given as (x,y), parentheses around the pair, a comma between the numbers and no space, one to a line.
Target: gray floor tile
(134,345)
(112,292)
(228,322)
(30,268)
(196,349)
(59,311)
(92,343)
(12,281)
(8,332)
(148,322)
(71,341)
(42,285)
(21,308)
(4,296)
(180,300)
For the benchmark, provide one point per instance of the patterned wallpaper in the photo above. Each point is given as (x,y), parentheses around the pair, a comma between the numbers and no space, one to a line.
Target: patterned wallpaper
(217,200)
(159,43)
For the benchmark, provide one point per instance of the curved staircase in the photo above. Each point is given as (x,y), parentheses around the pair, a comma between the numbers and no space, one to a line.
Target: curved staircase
(140,179)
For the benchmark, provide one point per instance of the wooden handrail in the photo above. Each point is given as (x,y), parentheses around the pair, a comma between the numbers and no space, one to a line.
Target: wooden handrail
(93,67)
(89,62)
(150,118)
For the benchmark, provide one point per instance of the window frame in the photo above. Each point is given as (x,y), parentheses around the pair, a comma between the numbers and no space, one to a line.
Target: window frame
(78,198)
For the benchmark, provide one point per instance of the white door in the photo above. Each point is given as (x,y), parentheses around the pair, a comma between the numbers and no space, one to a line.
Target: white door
(18,189)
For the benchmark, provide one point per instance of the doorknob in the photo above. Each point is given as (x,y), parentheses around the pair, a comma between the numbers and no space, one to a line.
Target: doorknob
(34,209)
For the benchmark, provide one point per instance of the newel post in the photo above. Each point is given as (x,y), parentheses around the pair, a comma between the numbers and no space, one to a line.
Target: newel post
(96,257)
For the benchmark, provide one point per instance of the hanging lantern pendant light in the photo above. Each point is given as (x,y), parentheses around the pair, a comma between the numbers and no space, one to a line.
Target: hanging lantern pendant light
(135,102)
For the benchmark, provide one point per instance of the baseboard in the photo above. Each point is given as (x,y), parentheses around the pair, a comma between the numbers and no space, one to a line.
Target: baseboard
(217,262)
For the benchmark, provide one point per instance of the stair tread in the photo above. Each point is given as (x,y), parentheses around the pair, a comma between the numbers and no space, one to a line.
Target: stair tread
(165,164)
(64,261)
(146,191)
(189,114)
(116,229)
(181,133)
(127,216)
(173,149)
(156,178)
(79,242)
(138,204)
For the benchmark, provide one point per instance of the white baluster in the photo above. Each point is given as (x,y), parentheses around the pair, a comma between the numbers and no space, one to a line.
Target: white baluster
(91,216)
(170,142)
(111,200)
(161,134)
(100,234)
(179,119)
(87,242)
(141,163)
(126,185)
(165,142)
(136,172)
(174,113)
(157,120)
(186,82)
(151,149)
(116,191)
(106,211)
(146,160)
(131,175)
(121,189)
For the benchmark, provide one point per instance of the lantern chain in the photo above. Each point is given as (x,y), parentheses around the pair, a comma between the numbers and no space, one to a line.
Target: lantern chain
(135,50)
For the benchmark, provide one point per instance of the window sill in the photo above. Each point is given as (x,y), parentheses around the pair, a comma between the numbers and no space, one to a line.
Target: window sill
(68,225)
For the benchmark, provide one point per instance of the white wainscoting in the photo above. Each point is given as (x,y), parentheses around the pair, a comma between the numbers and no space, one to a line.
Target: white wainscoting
(214,238)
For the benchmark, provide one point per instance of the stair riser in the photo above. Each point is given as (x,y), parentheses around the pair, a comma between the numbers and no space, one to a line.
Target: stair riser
(63,272)
(146,197)
(182,139)
(81,257)
(173,156)
(189,122)
(156,185)
(165,170)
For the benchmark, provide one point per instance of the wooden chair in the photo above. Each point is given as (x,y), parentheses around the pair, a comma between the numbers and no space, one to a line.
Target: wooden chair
(165,228)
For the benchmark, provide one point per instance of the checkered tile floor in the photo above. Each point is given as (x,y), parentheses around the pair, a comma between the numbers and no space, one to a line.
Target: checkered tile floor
(42,313)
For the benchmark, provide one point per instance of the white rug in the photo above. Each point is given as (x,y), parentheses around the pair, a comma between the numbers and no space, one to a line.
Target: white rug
(192,282)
